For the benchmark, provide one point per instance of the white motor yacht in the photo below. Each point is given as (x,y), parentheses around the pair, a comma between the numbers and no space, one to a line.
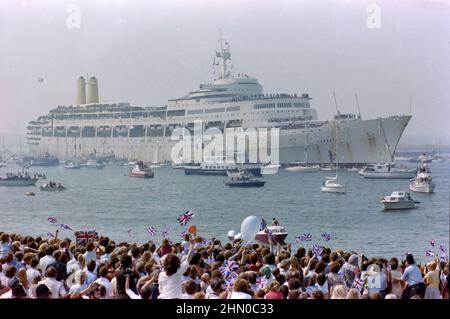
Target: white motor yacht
(398,200)
(270,169)
(423,182)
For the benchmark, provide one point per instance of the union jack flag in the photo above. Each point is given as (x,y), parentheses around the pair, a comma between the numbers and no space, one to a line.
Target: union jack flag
(182,234)
(229,282)
(326,236)
(228,268)
(442,248)
(432,242)
(261,282)
(317,250)
(82,237)
(152,231)
(358,283)
(429,253)
(66,227)
(52,219)
(304,237)
(50,234)
(270,234)
(129,232)
(185,217)
(443,257)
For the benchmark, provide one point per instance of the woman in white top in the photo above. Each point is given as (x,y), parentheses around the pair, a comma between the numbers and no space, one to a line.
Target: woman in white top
(240,290)
(170,283)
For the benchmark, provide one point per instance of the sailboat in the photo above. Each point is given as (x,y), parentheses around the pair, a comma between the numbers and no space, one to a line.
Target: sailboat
(303,167)
(332,184)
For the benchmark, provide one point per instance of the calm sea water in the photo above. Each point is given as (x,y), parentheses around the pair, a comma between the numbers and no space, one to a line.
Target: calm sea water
(111,203)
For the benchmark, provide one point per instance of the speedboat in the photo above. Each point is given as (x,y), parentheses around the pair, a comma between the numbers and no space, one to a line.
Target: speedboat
(387,170)
(52,187)
(72,165)
(332,185)
(243,179)
(270,169)
(301,167)
(399,200)
(17,180)
(277,233)
(423,182)
(141,171)
(94,164)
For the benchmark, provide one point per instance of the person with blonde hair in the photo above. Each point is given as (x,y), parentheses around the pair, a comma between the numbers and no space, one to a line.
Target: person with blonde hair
(22,275)
(338,292)
(432,281)
(353,294)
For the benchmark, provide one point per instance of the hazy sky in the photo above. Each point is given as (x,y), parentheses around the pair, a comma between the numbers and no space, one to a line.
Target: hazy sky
(145,52)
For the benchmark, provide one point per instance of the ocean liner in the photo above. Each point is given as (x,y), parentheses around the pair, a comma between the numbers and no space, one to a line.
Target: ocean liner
(144,133)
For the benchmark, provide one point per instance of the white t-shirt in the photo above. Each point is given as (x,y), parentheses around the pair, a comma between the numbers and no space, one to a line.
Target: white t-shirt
(31,274)
(170,286)
(107,284)
(56,287)
(44,262)
(240,295)
(77,288)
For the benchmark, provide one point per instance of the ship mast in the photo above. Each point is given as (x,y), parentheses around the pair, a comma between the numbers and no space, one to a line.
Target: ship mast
(225,55)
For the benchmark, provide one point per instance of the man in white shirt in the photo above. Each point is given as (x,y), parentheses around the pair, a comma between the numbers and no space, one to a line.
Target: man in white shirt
(46,260)
(32,272)
(56,287)
(103,280)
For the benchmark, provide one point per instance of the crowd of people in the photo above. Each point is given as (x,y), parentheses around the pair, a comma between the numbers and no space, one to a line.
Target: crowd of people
(194,269)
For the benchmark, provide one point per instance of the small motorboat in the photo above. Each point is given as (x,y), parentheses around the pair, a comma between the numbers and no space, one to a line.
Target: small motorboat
(270,169)
(30,193)
(277,233)
(141,171)
(94,164)
(423,182)
(52,187)
(332,185)
(353,169)
(301,167)
(72,165)
(399,200)
(243,179)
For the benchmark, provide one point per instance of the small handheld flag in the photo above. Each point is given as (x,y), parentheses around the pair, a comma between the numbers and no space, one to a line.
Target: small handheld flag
(326,236)
(52,219)
(317,250)
(432,242)
(429,253)
(185,217)
(152,231)
(358,283)
(66,227)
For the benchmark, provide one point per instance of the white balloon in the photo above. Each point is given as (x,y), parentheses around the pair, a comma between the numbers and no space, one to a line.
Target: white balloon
(231,234)
(249,228)
(238,236)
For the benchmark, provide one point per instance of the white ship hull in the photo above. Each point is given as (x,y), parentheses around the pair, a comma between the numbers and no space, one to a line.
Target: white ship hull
(359,143)
(422,187)
(302,169)
(18,182)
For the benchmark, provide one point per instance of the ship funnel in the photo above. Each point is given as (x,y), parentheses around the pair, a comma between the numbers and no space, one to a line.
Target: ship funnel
(92,87)
(81,91)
